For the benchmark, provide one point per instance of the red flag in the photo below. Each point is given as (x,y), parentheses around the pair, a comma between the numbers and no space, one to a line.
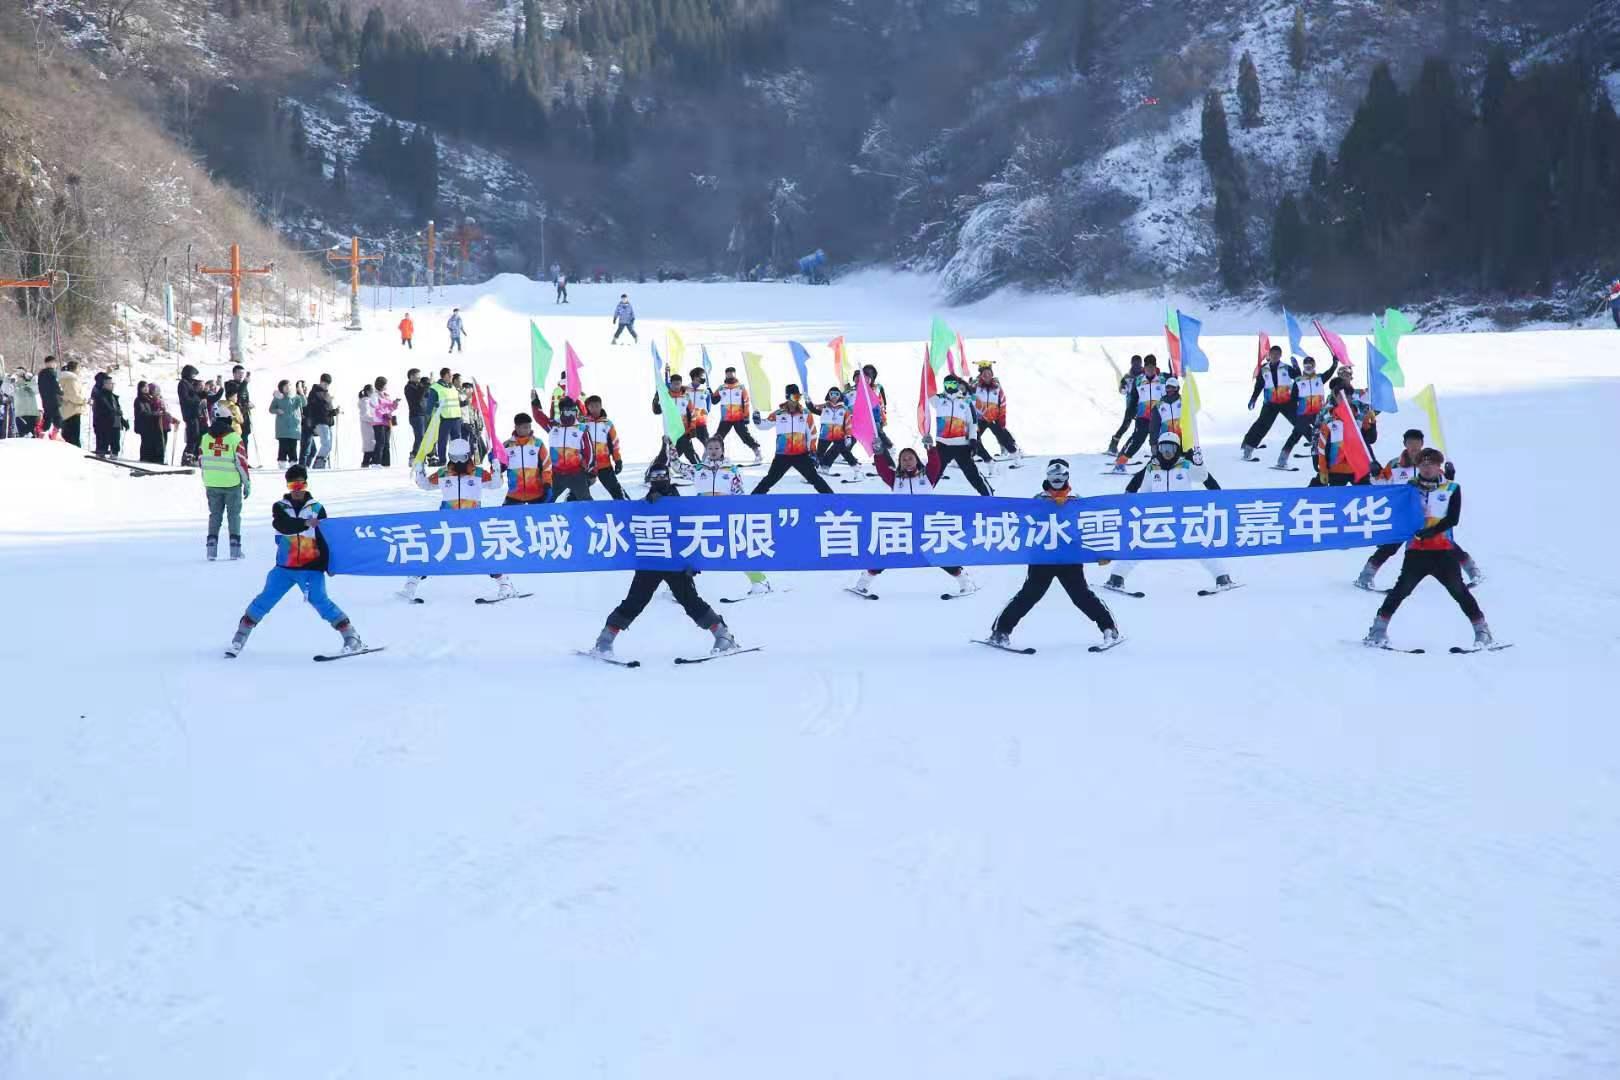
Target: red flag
(961,356)
(924,392)
(1265,347)
(1355,447)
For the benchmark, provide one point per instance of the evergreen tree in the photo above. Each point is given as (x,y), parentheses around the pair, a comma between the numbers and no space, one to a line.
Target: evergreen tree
(299,141)
(1288,244)
(1299,44)
(1085,37)
(1231,191)
(1248,89)
(340,175)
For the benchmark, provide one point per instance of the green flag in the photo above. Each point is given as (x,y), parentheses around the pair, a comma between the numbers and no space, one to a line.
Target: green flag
(1387,336)
(539,356)
(942,339)
(674,421)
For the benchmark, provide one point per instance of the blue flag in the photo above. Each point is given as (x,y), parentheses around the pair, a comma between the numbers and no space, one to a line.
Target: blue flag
(1380,389)
(708,370)
(1296,349)
(1192,357)
(658,361)
(800,356)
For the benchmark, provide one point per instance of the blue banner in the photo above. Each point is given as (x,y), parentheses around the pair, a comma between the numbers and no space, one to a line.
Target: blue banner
(858,532)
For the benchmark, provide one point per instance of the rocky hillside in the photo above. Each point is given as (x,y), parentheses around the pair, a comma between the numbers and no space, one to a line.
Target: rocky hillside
(993,141)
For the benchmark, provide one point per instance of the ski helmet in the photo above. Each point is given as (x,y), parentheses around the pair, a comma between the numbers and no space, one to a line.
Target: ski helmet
(458,451)
(1167,437)
(1057,472)
(222,411)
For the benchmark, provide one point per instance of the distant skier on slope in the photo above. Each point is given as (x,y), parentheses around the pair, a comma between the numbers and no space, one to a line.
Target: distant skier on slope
(911,476)
(1171,469)
(1403,470)
(457,330)
(1431,553)
(460,485)
(301,562)
(624,319)
(1071,576)
(646,582)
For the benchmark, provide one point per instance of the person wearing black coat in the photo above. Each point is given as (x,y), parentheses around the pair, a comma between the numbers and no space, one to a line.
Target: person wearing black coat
(149,424)
(415,395)
(107,416)
(50,395)
(189,394)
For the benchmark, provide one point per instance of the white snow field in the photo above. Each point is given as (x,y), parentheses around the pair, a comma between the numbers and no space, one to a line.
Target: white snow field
(1238,846)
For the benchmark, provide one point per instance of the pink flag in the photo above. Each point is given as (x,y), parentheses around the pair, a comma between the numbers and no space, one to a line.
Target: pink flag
(495,442)
(1262,352)
(571,373)
(1334,342)
(961,356)
(861,424)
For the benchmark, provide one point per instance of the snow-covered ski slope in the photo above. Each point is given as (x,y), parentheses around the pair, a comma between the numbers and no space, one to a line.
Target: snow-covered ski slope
(1234,847)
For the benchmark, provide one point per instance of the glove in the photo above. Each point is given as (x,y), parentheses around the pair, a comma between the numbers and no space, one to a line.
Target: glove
(928,442)
(1450,471)
(1251,405)
(247,490)
(125,423)
(756,416)
(849,441)
(618,467)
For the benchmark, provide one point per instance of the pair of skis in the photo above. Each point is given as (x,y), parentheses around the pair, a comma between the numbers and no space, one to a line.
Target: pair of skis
(1216,591)
(616,662)
(1118,641)
(1455,650)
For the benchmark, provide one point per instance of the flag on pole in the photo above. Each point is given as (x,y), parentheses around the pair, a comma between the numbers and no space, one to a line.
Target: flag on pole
(925,391)
(708,370)
(961,357)
(758,384)
(837,346)
(571,372)
(496,446)
(1426,401)
(659,359)
(1355,447)
(1388,335)
(539,356)
(1262,352)
(940,340)
(861,424)
(677,350)
(1296,348)
(1190,404)
(674,423)
(801,358)
(1118,374)
(1172,340)
(1379,388)
(1192,356)
(1333,341)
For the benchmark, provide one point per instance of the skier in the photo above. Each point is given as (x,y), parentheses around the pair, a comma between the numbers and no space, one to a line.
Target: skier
(301,561)
(1432,553)
(646,582)
(1071,576)
(1333,467)
(624,319)
(1307,397)
(953,426)
(714,476)
(407,331)
(912,477)
(460,484)
(1169,411)
(457,330)
(791,423)
(528,465)
(1275,380)
(836,439)
(990,408)
(699,398)
(732,397)
(1146,390)
(222,460)
(1402,471)
(1126,383)
(683,409)
(573,454)
(605,439)
(562,287)
(1171,469)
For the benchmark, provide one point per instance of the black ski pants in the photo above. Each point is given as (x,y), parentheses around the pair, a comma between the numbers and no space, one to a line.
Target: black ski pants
(1262,425)
(1124,424)
(741,428)
(803,464)
(1385,551)
(835,448)
(646,582)
(1073,579)
(1441,565)
(1139,435)
(963,456)
(576,486)
(623,327)
(610,481)
(1004,440)
(1303,426)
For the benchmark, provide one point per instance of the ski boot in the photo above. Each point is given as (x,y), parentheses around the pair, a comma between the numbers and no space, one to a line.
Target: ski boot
(408,593)
(351,640)
(1282,458)
(1248,453)
(1364,580)
(213,548)
(758,457)
(1223,581)
(236,548)
(1114,582)
(965,584)
(1113,445)
(1378,635)
(863,584)
(999,639)
(759,588)
(243,629)
(604,641)
(723,641)
(506,591)
(1119,468)
(1110,637)
(1482,636)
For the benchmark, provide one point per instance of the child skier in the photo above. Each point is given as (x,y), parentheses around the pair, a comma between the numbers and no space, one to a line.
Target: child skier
(732,397)
(460,485)
(835,437)
(1432,553)
(1126,383)
(1071,576)
(990,409)
(683,409)
(714,477)
(573,454)
(1403,470)
(1146,390)
(1308,396)
(1171,470)
(792,425)
(954,421)
(528,464)
(605,438)
(912,477)
(646,582)
(301,560)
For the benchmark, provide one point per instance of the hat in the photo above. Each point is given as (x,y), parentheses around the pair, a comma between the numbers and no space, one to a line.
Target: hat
(1168,435)
(522,418)
(458,450)
(222,411)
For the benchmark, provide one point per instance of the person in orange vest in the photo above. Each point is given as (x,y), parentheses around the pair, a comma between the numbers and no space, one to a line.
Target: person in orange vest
(407,330)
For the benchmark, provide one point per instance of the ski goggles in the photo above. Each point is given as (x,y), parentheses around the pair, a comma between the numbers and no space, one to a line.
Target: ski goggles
(1057,472)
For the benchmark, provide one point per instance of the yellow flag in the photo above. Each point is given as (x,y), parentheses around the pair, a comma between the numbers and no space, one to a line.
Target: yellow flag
(676,350)
(758,384)
(1190,404)
(1425,401)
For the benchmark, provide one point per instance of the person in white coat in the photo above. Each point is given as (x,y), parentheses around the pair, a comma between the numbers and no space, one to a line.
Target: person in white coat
(1170,469)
